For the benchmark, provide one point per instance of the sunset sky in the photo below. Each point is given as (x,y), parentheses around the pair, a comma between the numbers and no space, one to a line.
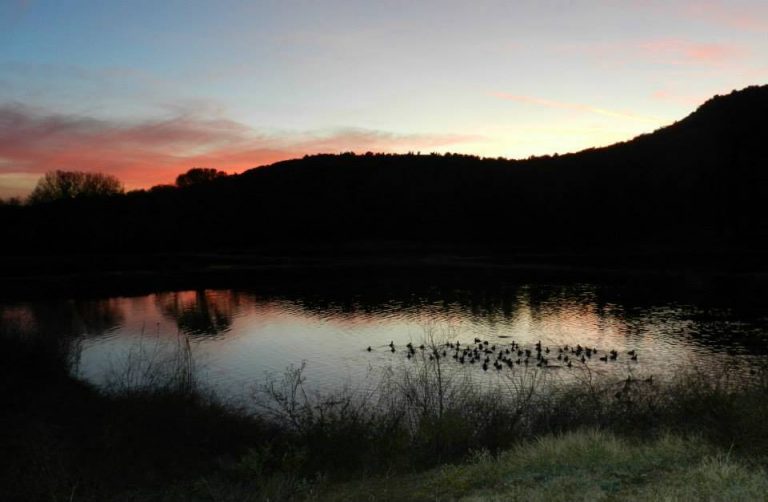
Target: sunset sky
(145,90)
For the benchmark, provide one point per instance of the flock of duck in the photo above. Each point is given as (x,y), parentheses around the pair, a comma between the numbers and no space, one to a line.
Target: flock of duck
(498,356)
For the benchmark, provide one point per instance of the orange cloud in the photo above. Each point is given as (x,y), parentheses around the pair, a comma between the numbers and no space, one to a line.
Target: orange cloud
(575,107)
(153,152)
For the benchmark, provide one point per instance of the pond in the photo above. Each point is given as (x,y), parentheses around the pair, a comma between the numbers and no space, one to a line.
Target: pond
(240,337)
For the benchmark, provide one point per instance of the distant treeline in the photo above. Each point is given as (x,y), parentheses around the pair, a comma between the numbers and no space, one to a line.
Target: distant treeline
(701,183)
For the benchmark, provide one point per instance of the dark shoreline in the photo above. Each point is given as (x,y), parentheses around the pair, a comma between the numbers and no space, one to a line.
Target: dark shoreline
(33,277)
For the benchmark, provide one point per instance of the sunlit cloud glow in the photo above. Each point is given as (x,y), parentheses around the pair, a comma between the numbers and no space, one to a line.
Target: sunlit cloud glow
(154,152)
(145,90)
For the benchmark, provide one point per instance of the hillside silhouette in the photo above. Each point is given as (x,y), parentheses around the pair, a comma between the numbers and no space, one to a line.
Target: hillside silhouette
(699,184)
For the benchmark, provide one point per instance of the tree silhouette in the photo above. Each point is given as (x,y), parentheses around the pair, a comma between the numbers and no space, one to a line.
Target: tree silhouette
(198,175)
(11,201)
(59,185)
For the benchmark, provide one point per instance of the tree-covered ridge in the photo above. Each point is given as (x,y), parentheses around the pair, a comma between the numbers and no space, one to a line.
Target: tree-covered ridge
(699,183)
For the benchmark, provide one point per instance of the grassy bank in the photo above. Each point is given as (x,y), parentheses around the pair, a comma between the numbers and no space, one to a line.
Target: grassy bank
(582,465)
(423,435)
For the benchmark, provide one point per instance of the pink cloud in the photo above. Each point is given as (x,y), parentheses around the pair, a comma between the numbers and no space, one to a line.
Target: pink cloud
(683,52)
(743,15)
(153,152)
(575,107)
(690,100)
(752,17)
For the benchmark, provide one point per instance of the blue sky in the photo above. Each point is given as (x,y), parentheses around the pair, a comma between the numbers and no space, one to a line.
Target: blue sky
(145,90)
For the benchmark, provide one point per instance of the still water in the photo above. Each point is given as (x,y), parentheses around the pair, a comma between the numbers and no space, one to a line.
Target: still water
(239,338)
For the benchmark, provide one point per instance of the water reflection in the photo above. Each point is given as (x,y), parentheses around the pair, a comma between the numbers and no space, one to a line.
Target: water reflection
(200,313)
(64,318)
(238,336)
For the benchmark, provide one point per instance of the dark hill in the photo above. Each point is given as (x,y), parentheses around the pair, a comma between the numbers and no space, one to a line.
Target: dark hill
(699,184)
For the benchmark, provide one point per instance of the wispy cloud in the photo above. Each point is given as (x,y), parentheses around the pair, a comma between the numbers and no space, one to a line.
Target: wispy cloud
(685,52)
(741,15)
(749,16)
(671,52)
(576,107)
(687,99)
(155,151)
